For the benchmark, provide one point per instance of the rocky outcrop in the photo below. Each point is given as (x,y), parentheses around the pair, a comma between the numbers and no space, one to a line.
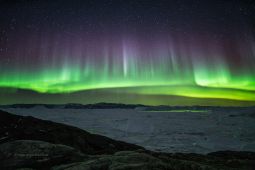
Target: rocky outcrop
(30,143)
(37,154)
(14,127)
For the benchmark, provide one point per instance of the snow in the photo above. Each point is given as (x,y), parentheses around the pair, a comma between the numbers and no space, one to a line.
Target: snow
(198,132)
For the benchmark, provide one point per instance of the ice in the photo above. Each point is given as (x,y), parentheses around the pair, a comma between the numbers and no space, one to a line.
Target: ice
(198,132)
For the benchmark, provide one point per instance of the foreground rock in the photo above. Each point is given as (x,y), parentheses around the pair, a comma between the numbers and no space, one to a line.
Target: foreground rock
(36,154)
(14,127)
(139,161)
(31,143)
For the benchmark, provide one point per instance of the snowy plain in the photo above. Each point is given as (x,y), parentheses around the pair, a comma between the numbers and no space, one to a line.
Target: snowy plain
(180,131)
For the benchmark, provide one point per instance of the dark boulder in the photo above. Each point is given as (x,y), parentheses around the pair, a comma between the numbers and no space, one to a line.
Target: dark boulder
(14,127)
(36,154)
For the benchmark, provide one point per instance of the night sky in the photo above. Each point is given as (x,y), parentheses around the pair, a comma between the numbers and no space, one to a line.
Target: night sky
(177,52)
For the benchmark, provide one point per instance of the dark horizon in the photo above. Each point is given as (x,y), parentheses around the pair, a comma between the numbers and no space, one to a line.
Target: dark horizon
(14,96)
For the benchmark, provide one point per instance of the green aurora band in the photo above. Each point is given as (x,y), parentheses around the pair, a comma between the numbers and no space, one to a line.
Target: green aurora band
(164,65)
(159,52)
(164,75)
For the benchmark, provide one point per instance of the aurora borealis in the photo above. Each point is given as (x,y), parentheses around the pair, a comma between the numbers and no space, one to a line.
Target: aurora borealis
(188,49)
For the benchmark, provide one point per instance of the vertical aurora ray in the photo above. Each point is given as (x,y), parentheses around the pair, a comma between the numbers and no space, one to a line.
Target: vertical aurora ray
(175,70)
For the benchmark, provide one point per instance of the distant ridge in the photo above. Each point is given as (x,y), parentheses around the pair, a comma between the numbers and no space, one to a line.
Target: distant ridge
(125,106)
(77,106)
(9,96)
(103,106)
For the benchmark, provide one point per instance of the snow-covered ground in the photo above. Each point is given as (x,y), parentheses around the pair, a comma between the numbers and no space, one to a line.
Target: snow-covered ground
(199,132)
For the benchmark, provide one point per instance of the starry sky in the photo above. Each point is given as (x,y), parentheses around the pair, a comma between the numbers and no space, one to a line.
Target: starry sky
(175,52)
